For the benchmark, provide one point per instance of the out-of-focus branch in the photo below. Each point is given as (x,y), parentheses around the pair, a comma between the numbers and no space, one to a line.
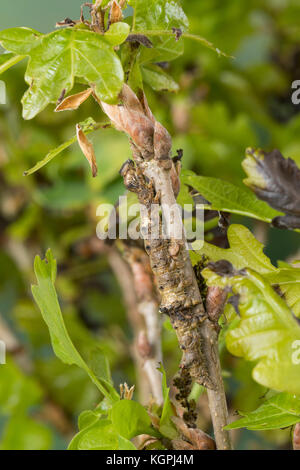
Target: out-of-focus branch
(149,338)
(134,275)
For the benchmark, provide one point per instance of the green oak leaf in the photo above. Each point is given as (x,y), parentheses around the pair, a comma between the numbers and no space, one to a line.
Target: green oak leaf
(56,59)
(227,197)
(247,252)
(20,40)
(117,33)
(159,80)
(132,69)
(100,435)
(131,419)
(288,280)
(87,418)
(45,296)
(267,331)
(244,252)
(155,15)
(278,412)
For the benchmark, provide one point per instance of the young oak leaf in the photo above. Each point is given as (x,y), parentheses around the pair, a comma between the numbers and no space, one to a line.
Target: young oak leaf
(244,251)
(56,59)
(155,15)
(247,252)
(158,79)
(20,40)
(74,101)
(267,331)
(117,33)
(45,296)
(279,411)
(87,149)
(287,279)
(276,180)
(227,197)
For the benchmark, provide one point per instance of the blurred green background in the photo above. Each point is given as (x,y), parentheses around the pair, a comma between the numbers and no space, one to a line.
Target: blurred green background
(223,106)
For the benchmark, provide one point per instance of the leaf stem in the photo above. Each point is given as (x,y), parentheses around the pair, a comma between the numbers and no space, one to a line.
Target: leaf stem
(193,37)
(11,62)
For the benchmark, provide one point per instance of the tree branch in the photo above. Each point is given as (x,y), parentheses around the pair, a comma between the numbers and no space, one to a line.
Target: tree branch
(133,273)
(154,179)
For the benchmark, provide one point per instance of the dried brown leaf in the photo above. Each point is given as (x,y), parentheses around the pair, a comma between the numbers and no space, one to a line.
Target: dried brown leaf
(116,14)
(193,439)
(74,101)
(276,180)
(87,149)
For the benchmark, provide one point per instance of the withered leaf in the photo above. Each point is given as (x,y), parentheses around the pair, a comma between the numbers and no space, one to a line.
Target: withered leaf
(87,149)
(116,14)
(74,101)
(223,268)
(141,39)
(192,439)
(178,33)
(276,180)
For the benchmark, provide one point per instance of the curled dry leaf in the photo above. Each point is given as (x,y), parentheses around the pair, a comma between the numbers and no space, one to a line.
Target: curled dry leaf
(74,101)
(87,149)
(276,180)
(116,14)
(192,439)
(149,137)
(131,119)
(215,302)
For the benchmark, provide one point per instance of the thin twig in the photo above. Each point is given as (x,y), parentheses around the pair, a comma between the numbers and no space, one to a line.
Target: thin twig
(149,343)
(193,37)
(133,272)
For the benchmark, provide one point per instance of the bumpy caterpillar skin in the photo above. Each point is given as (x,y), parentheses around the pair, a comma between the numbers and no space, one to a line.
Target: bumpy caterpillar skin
(154,177)
(176,283)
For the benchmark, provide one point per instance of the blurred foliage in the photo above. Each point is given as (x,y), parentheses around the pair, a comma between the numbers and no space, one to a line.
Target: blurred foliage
(223,106)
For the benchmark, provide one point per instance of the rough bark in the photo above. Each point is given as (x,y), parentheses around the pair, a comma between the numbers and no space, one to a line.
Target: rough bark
(153,176)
